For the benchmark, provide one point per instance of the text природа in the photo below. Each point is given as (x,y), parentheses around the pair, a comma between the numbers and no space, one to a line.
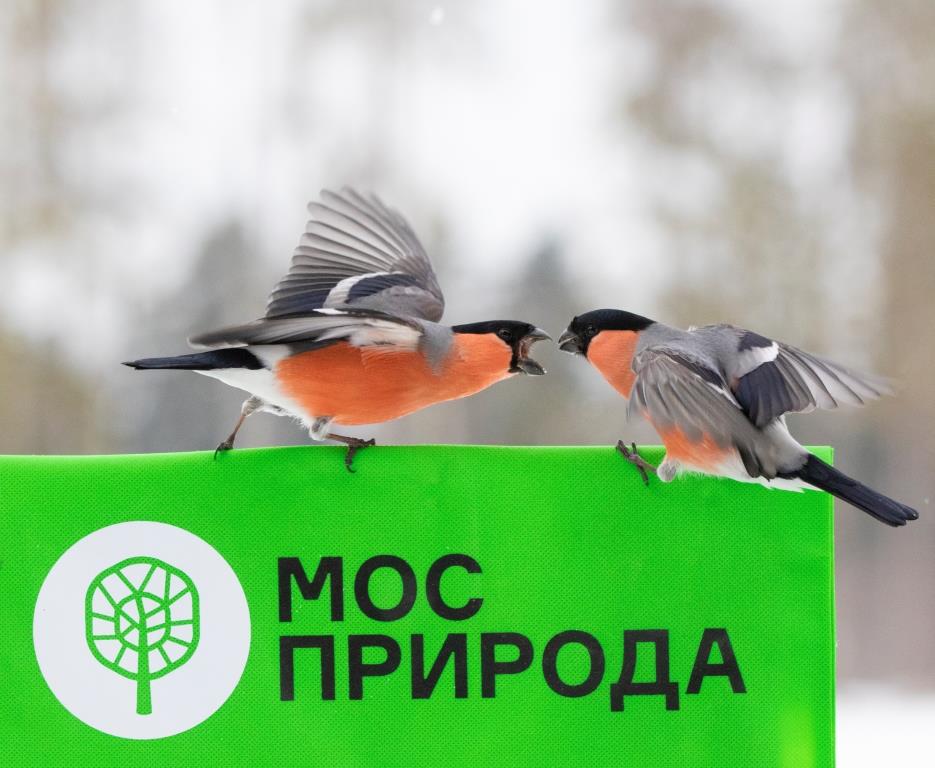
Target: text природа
(486,655)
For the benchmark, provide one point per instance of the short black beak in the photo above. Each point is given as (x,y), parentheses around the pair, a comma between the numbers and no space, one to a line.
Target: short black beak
(569,342)
(526,364)
(537,334)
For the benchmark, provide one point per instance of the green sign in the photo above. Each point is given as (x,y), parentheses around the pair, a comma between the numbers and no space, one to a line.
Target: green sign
(477,606)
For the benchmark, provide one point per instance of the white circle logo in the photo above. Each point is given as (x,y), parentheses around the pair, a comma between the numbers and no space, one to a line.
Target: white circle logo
(141,630)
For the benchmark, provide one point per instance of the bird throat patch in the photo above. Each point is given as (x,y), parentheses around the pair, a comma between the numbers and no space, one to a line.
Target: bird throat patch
(452,605)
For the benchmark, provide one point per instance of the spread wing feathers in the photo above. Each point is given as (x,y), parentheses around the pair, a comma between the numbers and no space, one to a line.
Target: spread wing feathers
(359,327)
(356,251)
(797,381)
(676,392)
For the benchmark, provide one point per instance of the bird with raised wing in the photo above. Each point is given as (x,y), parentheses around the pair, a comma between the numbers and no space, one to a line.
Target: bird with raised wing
(352,333)
(718,395)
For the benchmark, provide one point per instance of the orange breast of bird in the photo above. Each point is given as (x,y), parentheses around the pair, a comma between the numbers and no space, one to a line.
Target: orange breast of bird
(704,455)
(611,352)
(368,385)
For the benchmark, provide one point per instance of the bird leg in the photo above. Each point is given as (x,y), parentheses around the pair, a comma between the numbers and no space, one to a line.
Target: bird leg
(634,458)
(353,444)
(251,405)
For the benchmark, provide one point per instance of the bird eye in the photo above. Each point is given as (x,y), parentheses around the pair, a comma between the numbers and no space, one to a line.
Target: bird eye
(504,334)
(591,331)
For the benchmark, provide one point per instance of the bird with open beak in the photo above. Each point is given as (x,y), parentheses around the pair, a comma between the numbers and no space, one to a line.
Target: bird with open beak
(718,396)
(352,333)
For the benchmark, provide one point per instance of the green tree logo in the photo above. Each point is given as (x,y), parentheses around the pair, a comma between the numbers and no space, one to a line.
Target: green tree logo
(142,622)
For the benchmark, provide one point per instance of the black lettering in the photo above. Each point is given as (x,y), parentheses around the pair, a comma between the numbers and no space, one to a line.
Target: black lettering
(288,645)
(490,667)
(289,568)
(595,661)
(455,646)
(661,686)
(703,667)
(433,587)
(362,587)
(358,669)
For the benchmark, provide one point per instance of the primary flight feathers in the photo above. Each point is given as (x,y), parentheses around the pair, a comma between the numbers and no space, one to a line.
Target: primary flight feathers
(355,254)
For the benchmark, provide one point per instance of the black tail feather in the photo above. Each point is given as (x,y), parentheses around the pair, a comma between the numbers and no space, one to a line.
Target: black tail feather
(201,361)
(821,475)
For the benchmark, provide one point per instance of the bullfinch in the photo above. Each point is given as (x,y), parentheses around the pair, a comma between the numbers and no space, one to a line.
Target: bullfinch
(352,333)
(718,395)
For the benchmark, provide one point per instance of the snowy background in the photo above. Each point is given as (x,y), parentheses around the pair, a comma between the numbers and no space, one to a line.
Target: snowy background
(771,165)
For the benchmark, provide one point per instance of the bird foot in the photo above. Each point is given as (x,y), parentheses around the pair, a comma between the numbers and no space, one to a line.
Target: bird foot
(353,446)
(223,446)
(630,454)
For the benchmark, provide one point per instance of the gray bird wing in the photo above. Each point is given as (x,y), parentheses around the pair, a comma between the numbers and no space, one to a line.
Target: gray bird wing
(770,378)
(358,274)
(320,327)
(357,252)
(675,390)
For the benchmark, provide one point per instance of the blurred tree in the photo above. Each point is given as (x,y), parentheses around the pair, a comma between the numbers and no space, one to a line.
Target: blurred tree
(31,184)
(45,407)
(887,58)
(741,236)
(570,400)
(178,410)
(51,98)
(526,411)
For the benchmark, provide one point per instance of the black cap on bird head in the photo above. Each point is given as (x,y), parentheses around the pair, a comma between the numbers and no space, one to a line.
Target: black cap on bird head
(577,337)
(518,335)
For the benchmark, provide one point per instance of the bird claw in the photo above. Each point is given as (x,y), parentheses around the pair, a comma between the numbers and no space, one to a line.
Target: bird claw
(352,449)
(223,446)
(630,454)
